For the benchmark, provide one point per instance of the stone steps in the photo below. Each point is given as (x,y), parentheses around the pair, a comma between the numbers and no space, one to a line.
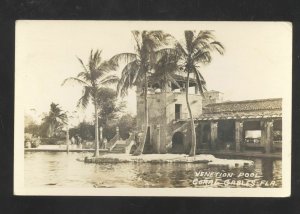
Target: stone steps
(119,147)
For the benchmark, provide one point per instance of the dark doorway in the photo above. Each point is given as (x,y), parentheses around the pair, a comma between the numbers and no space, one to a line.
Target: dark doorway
(198,136)
(203,137)
(177,111)
(206,142)
(178,143)
(226,135)
(148,146)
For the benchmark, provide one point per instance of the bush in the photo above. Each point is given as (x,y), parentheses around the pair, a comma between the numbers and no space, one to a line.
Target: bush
(35,143)
(50,141)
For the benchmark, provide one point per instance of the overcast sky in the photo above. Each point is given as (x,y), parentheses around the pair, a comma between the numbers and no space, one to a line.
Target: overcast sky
(256,64)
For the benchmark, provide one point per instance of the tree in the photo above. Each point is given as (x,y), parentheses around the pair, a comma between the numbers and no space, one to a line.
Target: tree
(196,50)
(86,130)
(138,67)
(30,125)
(95,74)
(108,105)
(127,123)
(54,121)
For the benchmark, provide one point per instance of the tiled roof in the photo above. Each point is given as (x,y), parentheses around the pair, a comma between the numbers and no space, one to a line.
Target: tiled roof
(241,115)
(243,106)
(265,108)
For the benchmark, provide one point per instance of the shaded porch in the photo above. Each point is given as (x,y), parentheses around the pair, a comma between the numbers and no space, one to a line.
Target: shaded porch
(255,135)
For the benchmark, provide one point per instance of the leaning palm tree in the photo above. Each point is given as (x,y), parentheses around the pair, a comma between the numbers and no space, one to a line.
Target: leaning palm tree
(95,75)
(196,50)
(138,68)
(54,120)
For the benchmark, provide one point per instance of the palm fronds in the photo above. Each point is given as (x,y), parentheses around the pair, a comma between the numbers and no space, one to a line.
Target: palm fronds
(86,96)
(94,74)
(74,79)
(109,79)
(124,57)
(131,75)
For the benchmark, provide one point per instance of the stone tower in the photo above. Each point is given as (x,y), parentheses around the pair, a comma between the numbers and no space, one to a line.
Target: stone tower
(168,130)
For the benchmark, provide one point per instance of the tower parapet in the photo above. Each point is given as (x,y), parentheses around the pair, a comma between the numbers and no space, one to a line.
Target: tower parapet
(211,97)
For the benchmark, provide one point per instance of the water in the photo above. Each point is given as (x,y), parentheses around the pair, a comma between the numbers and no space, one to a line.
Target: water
(59,169)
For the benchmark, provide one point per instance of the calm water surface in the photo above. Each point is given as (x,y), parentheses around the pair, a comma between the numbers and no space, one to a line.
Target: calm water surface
(59,169)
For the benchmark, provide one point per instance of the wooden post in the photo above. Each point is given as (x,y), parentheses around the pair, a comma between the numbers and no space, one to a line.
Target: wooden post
(267,135)
(238,135)
(213,134)
(158,138)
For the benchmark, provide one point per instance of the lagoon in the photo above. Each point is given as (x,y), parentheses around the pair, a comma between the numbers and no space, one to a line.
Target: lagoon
(59,169)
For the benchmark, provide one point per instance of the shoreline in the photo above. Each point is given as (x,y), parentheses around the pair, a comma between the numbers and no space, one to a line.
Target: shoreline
(222,154)
(208,159)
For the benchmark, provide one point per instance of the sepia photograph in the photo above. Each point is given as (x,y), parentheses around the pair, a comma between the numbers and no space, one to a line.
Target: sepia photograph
(153,108)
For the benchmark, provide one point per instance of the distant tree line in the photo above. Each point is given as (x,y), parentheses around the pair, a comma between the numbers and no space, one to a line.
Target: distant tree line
(51,126)
(86,130)
(109,117)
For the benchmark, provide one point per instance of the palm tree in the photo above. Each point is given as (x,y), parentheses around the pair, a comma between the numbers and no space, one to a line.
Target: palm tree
(196,50)
(54,120)
(94,75)
(138,67)
(165,69)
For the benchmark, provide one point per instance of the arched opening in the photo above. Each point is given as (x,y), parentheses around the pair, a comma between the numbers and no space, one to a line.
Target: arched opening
(178,143)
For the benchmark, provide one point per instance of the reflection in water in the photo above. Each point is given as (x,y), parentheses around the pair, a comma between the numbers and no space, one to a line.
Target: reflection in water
(58,169)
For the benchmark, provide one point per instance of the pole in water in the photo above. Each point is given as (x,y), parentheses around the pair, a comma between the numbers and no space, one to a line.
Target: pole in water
(68,142)
(101,135)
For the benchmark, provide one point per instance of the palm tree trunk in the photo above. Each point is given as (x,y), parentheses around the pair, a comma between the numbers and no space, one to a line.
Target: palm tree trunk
(140,149)
(96,131)
(193,146)
(50,130)
(67,139)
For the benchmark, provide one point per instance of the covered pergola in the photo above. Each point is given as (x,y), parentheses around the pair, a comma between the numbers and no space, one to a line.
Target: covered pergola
(253,125)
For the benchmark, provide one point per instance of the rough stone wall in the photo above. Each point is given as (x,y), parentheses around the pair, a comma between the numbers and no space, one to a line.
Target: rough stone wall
(212,97)
(162,112)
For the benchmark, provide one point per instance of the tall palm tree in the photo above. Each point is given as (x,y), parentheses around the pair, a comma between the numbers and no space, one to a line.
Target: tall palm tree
(55,119)
(196,50)
(165,69)
(95,74)
(138,67)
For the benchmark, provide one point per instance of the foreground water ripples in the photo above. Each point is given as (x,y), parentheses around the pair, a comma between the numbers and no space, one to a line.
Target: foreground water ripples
(59,169)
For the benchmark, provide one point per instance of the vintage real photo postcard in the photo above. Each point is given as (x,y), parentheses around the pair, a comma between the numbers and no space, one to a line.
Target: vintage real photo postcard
(153,108)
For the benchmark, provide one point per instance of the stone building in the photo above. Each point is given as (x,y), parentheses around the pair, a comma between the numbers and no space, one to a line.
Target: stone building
(251,125)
